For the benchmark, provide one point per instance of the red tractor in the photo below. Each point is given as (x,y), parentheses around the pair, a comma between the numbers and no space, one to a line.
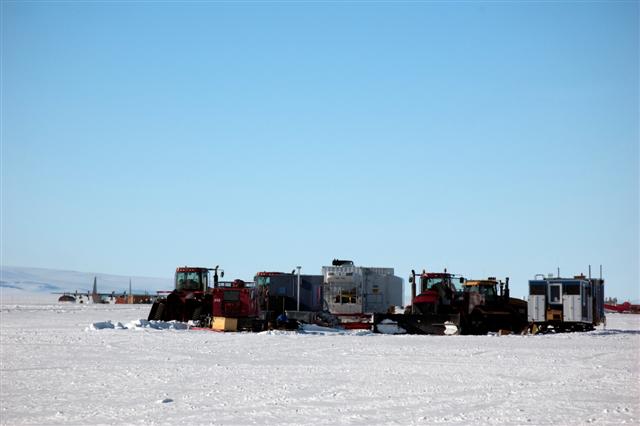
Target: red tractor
(191,299)
(434,310)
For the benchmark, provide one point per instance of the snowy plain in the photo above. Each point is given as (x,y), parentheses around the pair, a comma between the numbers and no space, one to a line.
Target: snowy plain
(60,365)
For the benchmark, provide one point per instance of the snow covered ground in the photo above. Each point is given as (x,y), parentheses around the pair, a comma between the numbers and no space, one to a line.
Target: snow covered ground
(61,365)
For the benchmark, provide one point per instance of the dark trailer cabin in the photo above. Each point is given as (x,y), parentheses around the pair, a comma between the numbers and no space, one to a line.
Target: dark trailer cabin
(280,291)
(566,304)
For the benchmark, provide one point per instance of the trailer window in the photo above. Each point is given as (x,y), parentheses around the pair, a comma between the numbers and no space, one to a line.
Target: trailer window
(346,296)
(538,289)
(573,289)
(555,293)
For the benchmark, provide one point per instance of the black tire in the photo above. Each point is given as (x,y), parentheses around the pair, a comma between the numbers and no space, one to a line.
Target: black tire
(478,323)
(197,313)
(258,326)
(158,314)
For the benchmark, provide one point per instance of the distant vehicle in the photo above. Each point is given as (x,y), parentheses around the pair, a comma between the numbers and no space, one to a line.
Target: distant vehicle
(104,298)
(623,308)
(67,298)
(94,296)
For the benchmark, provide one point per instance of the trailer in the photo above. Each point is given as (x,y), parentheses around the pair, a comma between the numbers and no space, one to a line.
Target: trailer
(354,293)
(565,304)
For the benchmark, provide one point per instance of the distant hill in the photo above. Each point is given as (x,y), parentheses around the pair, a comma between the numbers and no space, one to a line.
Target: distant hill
(52,280)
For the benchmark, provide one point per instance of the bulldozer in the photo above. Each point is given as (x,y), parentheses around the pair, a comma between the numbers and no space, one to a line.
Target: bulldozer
(487,307)
(191,298)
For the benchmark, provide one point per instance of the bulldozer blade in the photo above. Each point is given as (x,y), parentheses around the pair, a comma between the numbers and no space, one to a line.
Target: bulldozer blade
(416,324)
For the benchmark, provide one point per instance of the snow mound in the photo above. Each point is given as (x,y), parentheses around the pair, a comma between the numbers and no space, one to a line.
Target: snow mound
(157,325)
(102,325)
(139,324)
(328,331)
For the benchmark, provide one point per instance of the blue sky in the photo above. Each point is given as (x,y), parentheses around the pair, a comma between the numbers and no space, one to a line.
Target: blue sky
(495,138)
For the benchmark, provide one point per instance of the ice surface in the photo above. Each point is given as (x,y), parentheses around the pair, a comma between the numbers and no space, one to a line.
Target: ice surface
(55,368)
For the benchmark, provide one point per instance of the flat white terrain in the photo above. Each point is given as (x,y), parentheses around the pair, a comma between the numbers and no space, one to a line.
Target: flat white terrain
(59,365)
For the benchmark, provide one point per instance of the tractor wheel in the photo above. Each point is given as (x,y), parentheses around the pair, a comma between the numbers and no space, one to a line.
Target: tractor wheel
(478,323)
(197,313)
(157,312)
(258,326)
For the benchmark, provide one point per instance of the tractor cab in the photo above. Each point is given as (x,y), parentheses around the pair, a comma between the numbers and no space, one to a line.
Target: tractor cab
(437,291)
(194,279)
(191,279)
(436,282)
(485,289)
(190,298)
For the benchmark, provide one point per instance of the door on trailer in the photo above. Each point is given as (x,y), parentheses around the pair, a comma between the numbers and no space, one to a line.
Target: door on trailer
(571,309)
(555,294)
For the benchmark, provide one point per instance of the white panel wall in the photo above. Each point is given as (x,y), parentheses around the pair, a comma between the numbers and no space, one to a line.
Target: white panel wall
(572,308)
(535,308)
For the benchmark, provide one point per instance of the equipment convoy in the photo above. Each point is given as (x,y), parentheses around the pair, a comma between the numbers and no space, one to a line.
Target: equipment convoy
(362,297)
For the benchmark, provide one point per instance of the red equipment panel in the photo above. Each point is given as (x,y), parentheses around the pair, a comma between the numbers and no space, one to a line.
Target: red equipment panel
(235,302)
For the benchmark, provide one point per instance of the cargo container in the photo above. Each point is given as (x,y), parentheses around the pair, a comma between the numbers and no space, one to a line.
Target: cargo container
(353,293)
